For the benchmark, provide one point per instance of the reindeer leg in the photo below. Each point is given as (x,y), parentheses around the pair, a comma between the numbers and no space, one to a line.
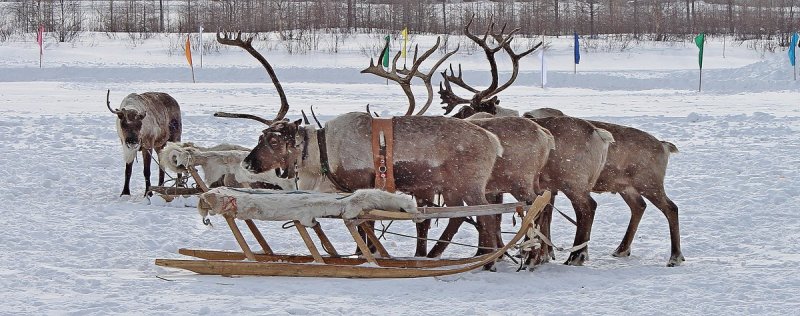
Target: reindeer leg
(126,190)
(637,205)
(488,226)
(146,156)
(497,199)
(422,234)
(585,208)
(447,235)
(662,202)
(423,227)
(453,224)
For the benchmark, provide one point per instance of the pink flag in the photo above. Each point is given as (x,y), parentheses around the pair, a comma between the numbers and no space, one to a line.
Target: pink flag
(40,37)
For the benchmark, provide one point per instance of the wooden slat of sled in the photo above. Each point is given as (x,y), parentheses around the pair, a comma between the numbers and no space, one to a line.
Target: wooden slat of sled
(326,243)
(443,212)
(200,183)
(383,262)
(259,237)
(239,238)
(222,267)
(175,190)
(309,243)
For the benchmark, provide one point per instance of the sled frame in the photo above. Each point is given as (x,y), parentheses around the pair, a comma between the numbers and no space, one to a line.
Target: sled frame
(268,263)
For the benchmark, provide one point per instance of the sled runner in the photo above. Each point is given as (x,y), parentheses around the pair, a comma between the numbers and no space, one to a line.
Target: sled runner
(249,205)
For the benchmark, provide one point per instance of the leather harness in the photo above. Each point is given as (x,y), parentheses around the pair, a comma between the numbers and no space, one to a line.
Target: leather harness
(382,152)
(323,160)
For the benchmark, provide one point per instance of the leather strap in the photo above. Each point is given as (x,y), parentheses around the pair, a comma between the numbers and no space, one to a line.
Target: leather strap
(323,160)
(382,152)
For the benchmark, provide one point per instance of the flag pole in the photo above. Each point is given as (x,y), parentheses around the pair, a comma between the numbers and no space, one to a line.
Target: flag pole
(40,40)
(543,46)
(700,86)
(201,47)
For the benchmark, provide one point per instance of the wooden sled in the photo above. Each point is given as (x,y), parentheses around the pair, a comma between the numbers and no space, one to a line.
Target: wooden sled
(247,262)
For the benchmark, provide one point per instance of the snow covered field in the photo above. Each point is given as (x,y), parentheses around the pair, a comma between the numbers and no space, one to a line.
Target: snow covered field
(71,245)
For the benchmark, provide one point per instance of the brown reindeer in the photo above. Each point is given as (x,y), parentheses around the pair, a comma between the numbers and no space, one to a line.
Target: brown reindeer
(145,122)
(526,146)
(431,154)
(635,168)
(572,167)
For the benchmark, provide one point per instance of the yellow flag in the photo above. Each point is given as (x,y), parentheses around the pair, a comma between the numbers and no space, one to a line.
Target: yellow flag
(189,51)
(404,32)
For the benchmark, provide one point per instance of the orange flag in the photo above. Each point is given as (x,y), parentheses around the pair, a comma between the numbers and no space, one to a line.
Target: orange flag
(189,55)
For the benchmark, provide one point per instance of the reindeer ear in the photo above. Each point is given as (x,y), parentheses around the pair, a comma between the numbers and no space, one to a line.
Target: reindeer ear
(298,122)
(121,115)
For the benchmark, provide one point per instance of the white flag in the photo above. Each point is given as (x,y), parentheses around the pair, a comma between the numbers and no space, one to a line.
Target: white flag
(544,68)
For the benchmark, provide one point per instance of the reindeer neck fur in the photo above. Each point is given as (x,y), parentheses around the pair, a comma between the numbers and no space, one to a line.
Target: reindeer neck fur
(309,168)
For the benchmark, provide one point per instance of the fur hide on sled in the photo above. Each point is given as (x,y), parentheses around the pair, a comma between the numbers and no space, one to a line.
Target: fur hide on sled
(304,206)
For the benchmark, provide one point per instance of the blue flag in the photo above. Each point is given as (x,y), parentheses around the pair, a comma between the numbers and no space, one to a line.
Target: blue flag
(577,49)
(792,47)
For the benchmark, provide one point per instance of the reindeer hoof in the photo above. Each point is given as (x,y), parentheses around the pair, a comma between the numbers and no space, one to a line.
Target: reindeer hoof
(577,259)
(675,261)
(621,253)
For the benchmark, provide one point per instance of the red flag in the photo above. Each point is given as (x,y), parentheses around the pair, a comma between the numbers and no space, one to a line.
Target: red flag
(40,37)
(188,51)
(189,55)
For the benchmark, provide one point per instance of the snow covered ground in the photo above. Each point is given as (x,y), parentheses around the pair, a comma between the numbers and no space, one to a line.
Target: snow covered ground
(71,245)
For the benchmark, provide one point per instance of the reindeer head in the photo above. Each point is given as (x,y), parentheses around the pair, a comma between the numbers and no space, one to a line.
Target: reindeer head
(130,124)
(278,148)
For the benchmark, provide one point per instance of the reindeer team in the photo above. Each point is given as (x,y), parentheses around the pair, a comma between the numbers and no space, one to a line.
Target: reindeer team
(472,158)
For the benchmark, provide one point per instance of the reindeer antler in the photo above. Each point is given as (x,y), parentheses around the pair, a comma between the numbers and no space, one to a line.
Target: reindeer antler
(404,76)
(247,44)
(479,96)
(108,102)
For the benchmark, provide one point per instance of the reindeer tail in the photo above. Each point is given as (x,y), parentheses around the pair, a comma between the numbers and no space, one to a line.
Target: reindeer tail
(670,147)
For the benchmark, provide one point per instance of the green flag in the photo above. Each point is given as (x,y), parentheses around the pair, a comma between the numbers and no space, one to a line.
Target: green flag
(700,41)
(386,53)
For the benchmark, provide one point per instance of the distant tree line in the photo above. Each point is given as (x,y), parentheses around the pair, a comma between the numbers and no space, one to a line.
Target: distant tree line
(646,19)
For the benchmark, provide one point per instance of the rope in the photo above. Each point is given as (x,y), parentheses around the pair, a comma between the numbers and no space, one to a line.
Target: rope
(385,228)
(565,215)
(449,242)
(179,182)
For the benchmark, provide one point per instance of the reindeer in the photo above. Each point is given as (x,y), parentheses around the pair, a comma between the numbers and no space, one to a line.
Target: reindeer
(579,153)
(145,122)
(431,154)
(635,168)
(526,146)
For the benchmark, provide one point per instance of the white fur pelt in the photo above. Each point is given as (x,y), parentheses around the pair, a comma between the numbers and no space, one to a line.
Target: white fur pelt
(304,206)
(505,112)
(219,162)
